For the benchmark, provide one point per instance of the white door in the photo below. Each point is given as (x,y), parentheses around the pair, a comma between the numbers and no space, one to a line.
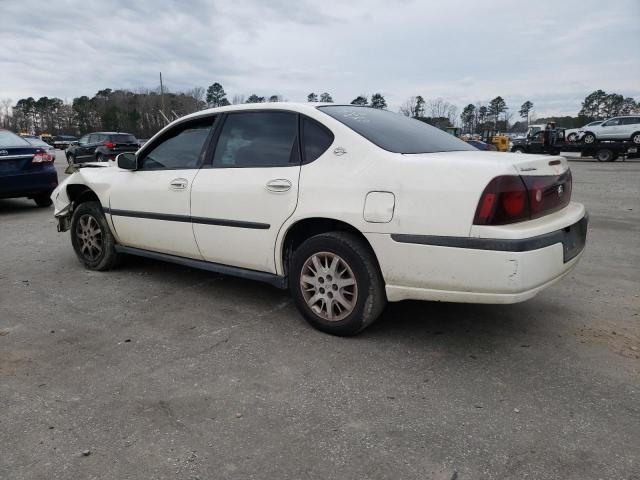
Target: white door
(238,205)
(609,129)
(150,207)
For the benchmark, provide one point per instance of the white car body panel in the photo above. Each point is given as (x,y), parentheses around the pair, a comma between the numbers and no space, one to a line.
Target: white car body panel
(241,193)
(433,194)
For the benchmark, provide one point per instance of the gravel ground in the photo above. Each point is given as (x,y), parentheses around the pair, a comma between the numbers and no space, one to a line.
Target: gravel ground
(157,371)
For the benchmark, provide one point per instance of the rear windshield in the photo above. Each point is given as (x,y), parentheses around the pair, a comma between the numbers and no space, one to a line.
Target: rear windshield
(37,142)
(9,139)
(395,132)
(123,138)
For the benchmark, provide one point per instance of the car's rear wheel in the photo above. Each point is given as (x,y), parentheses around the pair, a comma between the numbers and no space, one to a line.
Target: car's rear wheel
(589,138)
(605,155)
(70,159)
(91,238)
(336,283)
(43,200)
(101,158)
(518,150)
(635,138)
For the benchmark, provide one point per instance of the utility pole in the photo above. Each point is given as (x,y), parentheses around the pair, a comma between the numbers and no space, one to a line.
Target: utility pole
(162,96)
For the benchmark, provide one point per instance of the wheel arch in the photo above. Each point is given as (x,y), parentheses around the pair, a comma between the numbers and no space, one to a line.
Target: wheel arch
(302,229)
(80,193)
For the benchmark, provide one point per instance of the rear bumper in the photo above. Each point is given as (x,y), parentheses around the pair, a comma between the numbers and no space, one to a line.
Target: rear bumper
(28,183)
(477,270)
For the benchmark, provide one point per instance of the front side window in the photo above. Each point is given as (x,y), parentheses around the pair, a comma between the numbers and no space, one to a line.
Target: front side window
(258,139)
(612,123)
(316,139)
(179,148)
(395,132)
(84,140)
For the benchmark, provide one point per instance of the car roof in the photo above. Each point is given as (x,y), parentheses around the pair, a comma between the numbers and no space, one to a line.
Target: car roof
(291,106)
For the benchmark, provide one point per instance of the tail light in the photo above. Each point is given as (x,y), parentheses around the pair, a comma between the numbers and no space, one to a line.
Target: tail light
(109,144)
(42,157)
(512,198)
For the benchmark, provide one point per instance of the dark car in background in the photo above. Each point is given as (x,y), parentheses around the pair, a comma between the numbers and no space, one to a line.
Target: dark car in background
(26,170)
(101,147)
(62,142)
(480,145)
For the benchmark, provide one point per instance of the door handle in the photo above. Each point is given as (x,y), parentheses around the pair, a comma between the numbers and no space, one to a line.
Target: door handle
(279,185)
(178,184)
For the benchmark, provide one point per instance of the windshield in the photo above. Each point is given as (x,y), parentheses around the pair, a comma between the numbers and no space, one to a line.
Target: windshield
(395,132)
(123,138)
(9,139)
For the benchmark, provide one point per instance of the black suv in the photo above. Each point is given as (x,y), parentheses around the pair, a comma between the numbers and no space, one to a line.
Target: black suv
(101,146)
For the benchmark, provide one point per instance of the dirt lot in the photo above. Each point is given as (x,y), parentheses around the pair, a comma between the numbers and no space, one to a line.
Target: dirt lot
(157,371)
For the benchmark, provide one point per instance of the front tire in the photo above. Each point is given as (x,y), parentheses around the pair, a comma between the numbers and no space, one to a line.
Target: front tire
(518,150)
(91,238)
(336,283)
(589,138)
(572,137)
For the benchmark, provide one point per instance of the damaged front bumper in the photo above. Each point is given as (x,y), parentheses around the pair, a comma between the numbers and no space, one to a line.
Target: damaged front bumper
(63,219)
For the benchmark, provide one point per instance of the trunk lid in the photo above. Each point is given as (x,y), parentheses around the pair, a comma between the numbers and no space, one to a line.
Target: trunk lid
(16,159)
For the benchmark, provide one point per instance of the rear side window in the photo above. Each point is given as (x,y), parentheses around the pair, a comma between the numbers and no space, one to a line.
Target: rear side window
(316,139)
(258,139)
(179,148)
(395,132)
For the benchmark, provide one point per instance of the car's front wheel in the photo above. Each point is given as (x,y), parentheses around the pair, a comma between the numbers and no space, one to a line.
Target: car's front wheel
(91,238)
(518,150)
(589,138)
(572,137)
(336,283)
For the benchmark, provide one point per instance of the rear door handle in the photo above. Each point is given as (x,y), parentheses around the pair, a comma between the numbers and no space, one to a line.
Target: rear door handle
(279,185)
(178,184)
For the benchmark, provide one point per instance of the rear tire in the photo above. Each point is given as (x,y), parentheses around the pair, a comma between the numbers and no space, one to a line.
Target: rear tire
(605,155)
(92,239)
(336,283)
(635,138)
(101,158)
(70,159)
(518,150)
(43,200)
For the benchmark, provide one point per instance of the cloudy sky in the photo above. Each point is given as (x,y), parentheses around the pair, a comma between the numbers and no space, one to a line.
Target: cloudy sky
(551,52)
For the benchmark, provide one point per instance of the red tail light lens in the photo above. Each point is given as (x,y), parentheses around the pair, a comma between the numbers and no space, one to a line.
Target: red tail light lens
(504,200)
(109,144)
(42,157)
(511,198)
(549,193)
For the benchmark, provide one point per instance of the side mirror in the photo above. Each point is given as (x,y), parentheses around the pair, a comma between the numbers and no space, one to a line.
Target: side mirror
(127,161)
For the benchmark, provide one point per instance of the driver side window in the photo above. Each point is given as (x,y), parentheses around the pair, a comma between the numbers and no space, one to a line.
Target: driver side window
(611,123)
(84,140)
(182,147)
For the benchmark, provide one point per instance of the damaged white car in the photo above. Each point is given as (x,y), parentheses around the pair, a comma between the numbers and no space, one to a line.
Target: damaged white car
(348,207)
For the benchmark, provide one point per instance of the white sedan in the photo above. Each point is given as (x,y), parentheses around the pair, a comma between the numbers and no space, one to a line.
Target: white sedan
(349,207)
